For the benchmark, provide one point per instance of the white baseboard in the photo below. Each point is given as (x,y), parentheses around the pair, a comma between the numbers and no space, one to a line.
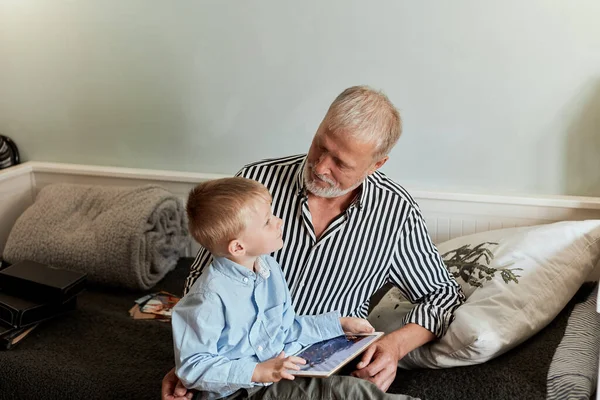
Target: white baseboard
(448,214)
(178,183)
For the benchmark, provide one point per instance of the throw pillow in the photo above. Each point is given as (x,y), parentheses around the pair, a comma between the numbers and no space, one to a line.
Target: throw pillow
(515,280)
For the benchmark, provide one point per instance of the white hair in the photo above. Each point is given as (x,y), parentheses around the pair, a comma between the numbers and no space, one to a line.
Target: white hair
(368,116)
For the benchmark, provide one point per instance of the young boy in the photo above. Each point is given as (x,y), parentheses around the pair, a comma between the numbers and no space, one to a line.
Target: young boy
(233,329)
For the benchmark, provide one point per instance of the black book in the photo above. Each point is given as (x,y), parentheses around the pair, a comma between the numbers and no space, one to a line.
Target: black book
(19,313)
(39,282)
(10,336)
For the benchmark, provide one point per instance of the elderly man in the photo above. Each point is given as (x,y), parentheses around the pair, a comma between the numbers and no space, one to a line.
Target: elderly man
(349,229)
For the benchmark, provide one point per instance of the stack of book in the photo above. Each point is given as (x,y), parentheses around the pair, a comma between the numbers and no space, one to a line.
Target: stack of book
(158,306)
(31,293)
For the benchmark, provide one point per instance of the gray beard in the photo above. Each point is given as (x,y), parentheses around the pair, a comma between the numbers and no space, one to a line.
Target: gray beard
(330,192)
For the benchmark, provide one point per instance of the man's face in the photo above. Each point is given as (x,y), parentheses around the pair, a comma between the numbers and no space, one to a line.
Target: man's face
(337,163)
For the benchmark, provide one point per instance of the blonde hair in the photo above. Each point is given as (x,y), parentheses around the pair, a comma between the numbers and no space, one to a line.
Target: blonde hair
(368,115)
(218,210)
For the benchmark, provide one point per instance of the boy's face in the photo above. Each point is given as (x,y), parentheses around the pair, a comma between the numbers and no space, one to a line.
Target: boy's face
(263,234)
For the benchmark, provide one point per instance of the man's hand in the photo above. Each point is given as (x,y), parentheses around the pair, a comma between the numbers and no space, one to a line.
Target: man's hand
(173,389)
(356,325)
(276,369)
(380,362)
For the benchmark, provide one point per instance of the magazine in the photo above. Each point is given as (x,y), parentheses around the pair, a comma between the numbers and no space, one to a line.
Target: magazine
(160,303)
(327,357)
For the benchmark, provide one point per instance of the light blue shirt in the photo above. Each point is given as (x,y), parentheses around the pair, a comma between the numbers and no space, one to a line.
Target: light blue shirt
(232,319)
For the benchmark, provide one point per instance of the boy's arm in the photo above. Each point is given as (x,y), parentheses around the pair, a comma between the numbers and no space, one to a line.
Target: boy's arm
(309,329)
(306,329)
(198,321)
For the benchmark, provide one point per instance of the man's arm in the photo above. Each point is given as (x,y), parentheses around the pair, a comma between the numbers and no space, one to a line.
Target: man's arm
(203,259)
(379,363)
(419,272)
(173,389)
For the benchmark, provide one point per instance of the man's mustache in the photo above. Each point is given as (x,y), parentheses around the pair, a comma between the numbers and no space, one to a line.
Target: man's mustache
(321,177)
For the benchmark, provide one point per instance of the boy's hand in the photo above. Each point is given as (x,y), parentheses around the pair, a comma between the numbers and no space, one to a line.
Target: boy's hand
(275,369)
(356,325)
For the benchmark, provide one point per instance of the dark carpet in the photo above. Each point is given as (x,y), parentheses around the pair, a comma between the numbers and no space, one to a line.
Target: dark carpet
(518,374)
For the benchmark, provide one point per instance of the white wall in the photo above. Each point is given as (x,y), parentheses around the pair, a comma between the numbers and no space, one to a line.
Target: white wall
(500,96)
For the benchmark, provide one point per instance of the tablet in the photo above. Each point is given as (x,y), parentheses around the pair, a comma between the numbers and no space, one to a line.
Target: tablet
(327,357)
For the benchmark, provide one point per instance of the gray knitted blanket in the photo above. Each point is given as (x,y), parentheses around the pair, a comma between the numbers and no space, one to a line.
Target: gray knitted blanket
(120,236)
(573,373)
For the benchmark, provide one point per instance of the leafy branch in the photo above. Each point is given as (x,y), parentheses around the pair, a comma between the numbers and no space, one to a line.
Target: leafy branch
(472,265)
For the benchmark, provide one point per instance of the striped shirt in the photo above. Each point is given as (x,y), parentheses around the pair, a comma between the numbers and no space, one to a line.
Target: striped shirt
(380,238)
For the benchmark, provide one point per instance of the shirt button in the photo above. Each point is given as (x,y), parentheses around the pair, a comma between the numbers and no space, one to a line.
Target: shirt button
(260,348)
(245,280)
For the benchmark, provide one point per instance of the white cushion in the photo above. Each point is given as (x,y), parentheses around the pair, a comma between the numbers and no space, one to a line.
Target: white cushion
(516,283)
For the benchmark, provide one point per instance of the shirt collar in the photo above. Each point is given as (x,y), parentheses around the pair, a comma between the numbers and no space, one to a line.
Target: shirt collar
(360,200)
(364,193)
(299,181)
(263,268)
(240,273)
